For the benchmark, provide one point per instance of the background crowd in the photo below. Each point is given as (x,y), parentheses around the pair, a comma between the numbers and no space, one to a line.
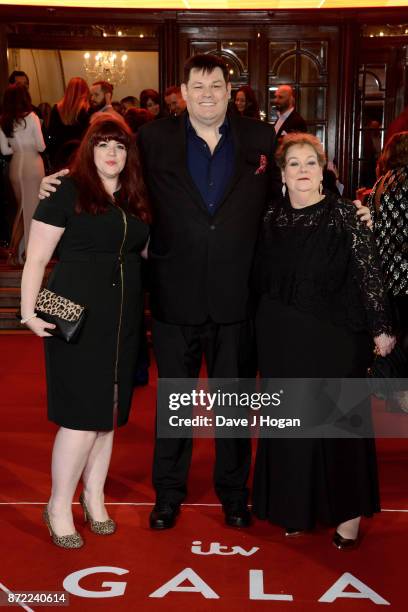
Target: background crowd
(38,140)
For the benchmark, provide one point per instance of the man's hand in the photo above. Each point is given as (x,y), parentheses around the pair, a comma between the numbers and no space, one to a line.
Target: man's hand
(48,182)
(363,213)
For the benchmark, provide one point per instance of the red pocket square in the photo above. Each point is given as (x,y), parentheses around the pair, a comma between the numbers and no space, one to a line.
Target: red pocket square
(263,162)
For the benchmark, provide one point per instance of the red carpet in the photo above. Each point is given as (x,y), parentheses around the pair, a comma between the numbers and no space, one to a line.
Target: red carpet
(303,568)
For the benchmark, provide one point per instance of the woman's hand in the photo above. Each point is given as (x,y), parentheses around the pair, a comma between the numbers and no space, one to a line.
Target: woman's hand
(363,213)
(48,182)
(39,327)
(384,344)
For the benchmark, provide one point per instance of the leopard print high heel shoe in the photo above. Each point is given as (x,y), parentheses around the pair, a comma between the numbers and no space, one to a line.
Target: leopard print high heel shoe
(73,540)
(99,527)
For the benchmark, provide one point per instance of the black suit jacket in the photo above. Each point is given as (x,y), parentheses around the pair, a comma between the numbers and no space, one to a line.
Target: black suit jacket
(200,264)
(294,123)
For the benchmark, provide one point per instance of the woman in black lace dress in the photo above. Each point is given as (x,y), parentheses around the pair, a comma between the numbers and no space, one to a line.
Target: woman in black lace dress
(389,203)
(321,305)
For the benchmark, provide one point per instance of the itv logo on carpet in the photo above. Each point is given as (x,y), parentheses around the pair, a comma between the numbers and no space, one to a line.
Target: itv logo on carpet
(216,548)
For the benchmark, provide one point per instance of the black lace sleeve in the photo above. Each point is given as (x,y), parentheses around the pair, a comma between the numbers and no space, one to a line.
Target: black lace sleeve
(367,271)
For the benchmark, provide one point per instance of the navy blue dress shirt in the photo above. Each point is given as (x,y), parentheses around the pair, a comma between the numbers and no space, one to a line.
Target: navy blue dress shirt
(210,172)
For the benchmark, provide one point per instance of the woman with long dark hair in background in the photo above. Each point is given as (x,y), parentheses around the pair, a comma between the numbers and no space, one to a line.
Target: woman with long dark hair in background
(246,102)
(98,220)
(21,137)
(68,122)
(150,101)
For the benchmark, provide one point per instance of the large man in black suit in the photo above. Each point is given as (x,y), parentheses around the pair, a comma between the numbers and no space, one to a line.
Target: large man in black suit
(289,120)
(209,176)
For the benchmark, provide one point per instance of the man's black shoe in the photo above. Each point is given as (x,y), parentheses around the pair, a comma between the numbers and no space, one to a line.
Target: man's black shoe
(163,516)
(237,514)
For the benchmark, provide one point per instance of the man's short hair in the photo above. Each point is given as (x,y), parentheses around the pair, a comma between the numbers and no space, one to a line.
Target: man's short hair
(205,63)
(105,86)
(173,89)
(15,74)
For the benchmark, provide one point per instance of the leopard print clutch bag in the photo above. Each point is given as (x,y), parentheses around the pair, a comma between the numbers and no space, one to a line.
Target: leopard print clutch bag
(67,316)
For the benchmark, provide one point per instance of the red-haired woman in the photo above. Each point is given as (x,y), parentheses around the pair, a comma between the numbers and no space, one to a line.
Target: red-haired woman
(21,136)
(98,219)
(68,122)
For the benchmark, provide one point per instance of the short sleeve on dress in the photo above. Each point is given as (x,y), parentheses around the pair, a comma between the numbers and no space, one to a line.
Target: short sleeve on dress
(59,206)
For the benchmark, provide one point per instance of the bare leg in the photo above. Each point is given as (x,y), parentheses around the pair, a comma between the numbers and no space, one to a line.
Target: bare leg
(69,457)
(95,473)
(349,529)
(17,236)
(96,469)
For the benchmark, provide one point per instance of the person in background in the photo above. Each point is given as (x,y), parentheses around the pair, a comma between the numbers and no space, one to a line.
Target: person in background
(21,137)
(150,100)
(332,165)
(322,304)
(393,156)
(400,124)
(45,111)
(389,202)
(174,100)
(69,120)
(18,76)
(101,100)
(136,117)
(117,106)
(8,206)
(330,180)
(371,150)
(246,102)
(98,219)
(129,102)
(289,120)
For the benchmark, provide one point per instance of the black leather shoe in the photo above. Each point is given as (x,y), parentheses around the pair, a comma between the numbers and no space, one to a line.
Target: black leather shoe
(163,516)
(237,515)
(343,543)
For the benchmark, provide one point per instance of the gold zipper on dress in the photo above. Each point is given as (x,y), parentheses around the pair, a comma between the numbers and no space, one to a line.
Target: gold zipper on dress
(121,293)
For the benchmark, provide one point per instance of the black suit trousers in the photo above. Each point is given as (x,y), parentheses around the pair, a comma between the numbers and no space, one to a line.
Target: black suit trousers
(229,352)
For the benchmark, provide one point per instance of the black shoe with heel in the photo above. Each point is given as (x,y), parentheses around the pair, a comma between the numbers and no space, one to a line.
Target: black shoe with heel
(343,543)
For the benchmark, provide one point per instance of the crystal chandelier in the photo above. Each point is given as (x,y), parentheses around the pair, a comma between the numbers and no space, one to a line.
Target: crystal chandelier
(106,67)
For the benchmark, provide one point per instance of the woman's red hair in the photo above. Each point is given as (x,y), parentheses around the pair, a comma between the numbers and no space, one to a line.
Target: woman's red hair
(92,196)
(75,100)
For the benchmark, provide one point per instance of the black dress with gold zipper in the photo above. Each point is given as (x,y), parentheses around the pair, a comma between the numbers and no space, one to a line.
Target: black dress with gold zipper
(99,266)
